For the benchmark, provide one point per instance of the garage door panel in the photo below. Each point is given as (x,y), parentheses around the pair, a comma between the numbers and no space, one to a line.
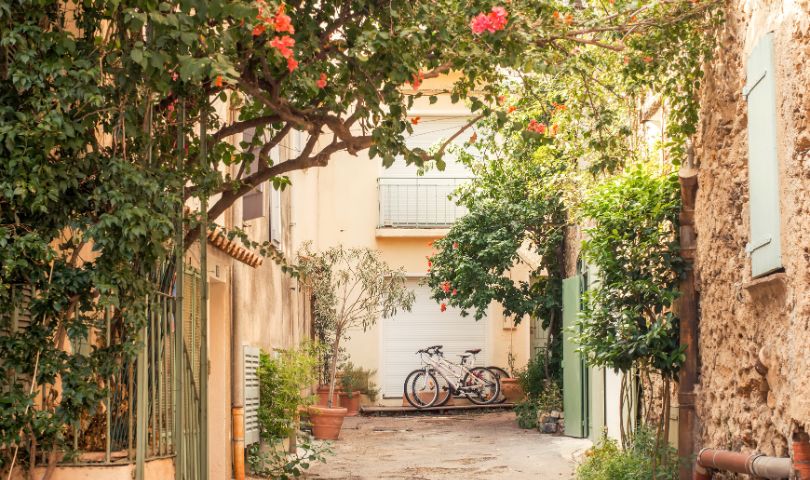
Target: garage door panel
(423,326)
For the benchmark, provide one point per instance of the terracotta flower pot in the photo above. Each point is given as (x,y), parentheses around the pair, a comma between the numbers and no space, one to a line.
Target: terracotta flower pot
(511,389)
(323,396)
(352,404)
(326,422)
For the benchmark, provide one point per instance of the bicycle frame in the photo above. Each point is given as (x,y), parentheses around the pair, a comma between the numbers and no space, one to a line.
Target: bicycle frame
(453,373)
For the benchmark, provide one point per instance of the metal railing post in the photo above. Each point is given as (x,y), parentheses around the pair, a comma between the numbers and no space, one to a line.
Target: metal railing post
(179,272)
(204,303)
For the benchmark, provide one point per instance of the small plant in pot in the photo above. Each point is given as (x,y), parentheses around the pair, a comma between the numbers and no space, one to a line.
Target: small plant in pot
(352,288)
(355,381)
(511,387)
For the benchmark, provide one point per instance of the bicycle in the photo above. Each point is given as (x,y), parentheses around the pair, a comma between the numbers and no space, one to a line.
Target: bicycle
(434,383)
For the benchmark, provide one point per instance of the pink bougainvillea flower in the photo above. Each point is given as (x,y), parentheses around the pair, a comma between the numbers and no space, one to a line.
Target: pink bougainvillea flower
(282,22)
(455,245)
(536,127)
(479,24)
(322,81)
(490,22)
(453,293)
(292,63)
(498,17)
(284,46)
(443,307)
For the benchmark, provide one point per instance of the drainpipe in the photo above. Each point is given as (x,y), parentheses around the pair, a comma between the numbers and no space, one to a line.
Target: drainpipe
(237,395)
(755,464)
(688,312)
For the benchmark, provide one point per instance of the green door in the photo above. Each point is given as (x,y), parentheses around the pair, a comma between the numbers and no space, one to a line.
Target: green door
(574,394)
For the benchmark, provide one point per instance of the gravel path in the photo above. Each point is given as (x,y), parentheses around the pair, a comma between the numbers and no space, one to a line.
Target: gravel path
(478,446)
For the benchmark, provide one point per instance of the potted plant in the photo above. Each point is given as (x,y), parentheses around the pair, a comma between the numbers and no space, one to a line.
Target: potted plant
(511,388)
(352,288)
(356,382)
(351,384)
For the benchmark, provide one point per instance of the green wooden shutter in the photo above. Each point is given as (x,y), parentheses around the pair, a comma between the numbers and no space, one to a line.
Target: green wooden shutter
(250,365)
(573,401)
(763,164)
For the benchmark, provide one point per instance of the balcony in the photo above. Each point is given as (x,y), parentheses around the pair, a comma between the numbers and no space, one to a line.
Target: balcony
(418,202)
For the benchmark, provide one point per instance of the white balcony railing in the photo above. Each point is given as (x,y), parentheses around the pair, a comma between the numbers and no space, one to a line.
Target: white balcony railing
(420,202)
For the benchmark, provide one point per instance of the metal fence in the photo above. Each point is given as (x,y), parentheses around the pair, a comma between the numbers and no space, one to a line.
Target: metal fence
(418,202)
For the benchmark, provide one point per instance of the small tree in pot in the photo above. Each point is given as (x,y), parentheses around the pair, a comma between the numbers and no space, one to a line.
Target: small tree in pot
(352,288)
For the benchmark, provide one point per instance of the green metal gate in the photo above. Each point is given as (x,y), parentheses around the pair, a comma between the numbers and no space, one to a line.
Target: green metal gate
(191,452)
(575,374)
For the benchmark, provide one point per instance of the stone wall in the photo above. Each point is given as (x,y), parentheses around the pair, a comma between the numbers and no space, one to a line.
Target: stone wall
(743,322)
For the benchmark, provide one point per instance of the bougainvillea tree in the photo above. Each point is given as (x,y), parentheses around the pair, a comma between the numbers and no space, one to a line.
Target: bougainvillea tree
(107,123)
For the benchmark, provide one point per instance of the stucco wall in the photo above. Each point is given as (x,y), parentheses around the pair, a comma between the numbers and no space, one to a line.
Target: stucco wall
(738,408)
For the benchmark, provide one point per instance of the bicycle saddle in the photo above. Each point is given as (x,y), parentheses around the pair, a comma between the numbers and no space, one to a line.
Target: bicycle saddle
(473,351)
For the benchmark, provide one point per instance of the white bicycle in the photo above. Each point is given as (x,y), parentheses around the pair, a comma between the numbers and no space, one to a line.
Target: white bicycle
(438,379)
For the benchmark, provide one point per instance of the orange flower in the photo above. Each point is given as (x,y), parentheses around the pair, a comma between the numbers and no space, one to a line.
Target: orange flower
(556,15)
(454,292)
(292,64)
(569,19)
(501,99)
(554,129)
(218,81)
(648,59)
(258,30)
(283,45)
(473,138)
(415,120)
(282,22)
(418,78)
(322,81)
(455,245)
(443,307)
(511,108)
(536,127)
(445,286)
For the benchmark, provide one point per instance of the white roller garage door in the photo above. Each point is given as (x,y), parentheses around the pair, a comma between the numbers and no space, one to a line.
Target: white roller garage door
(426,325)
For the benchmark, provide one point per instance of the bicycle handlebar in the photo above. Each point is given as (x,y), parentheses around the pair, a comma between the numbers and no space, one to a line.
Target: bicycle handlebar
(432,350)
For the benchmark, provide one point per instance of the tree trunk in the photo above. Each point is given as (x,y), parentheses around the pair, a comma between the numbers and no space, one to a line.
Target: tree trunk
(333,369)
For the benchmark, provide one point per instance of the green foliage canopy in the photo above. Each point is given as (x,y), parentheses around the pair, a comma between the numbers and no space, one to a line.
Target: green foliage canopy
(628,318)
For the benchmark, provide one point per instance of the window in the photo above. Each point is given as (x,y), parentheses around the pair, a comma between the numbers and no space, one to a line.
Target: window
(763,162)
(253,201)
(275,217)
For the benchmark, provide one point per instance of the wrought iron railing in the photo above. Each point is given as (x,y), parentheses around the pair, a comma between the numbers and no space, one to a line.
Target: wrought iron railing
(418,202)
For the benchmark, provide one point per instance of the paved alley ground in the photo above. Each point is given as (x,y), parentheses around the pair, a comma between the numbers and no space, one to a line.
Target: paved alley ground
(480,446)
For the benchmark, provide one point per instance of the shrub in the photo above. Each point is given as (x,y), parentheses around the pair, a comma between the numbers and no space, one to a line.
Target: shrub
(526,412)
(276,464)
(539,373)
(643,459)
(281,382)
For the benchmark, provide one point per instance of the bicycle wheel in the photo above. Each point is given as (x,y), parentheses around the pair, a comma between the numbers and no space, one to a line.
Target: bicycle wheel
(501,375)
(445,391)
(422,391)
(500,372)
(488,386)
(406,387)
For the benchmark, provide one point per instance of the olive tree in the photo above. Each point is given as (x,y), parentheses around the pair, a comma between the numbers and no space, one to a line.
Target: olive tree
(352,288)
